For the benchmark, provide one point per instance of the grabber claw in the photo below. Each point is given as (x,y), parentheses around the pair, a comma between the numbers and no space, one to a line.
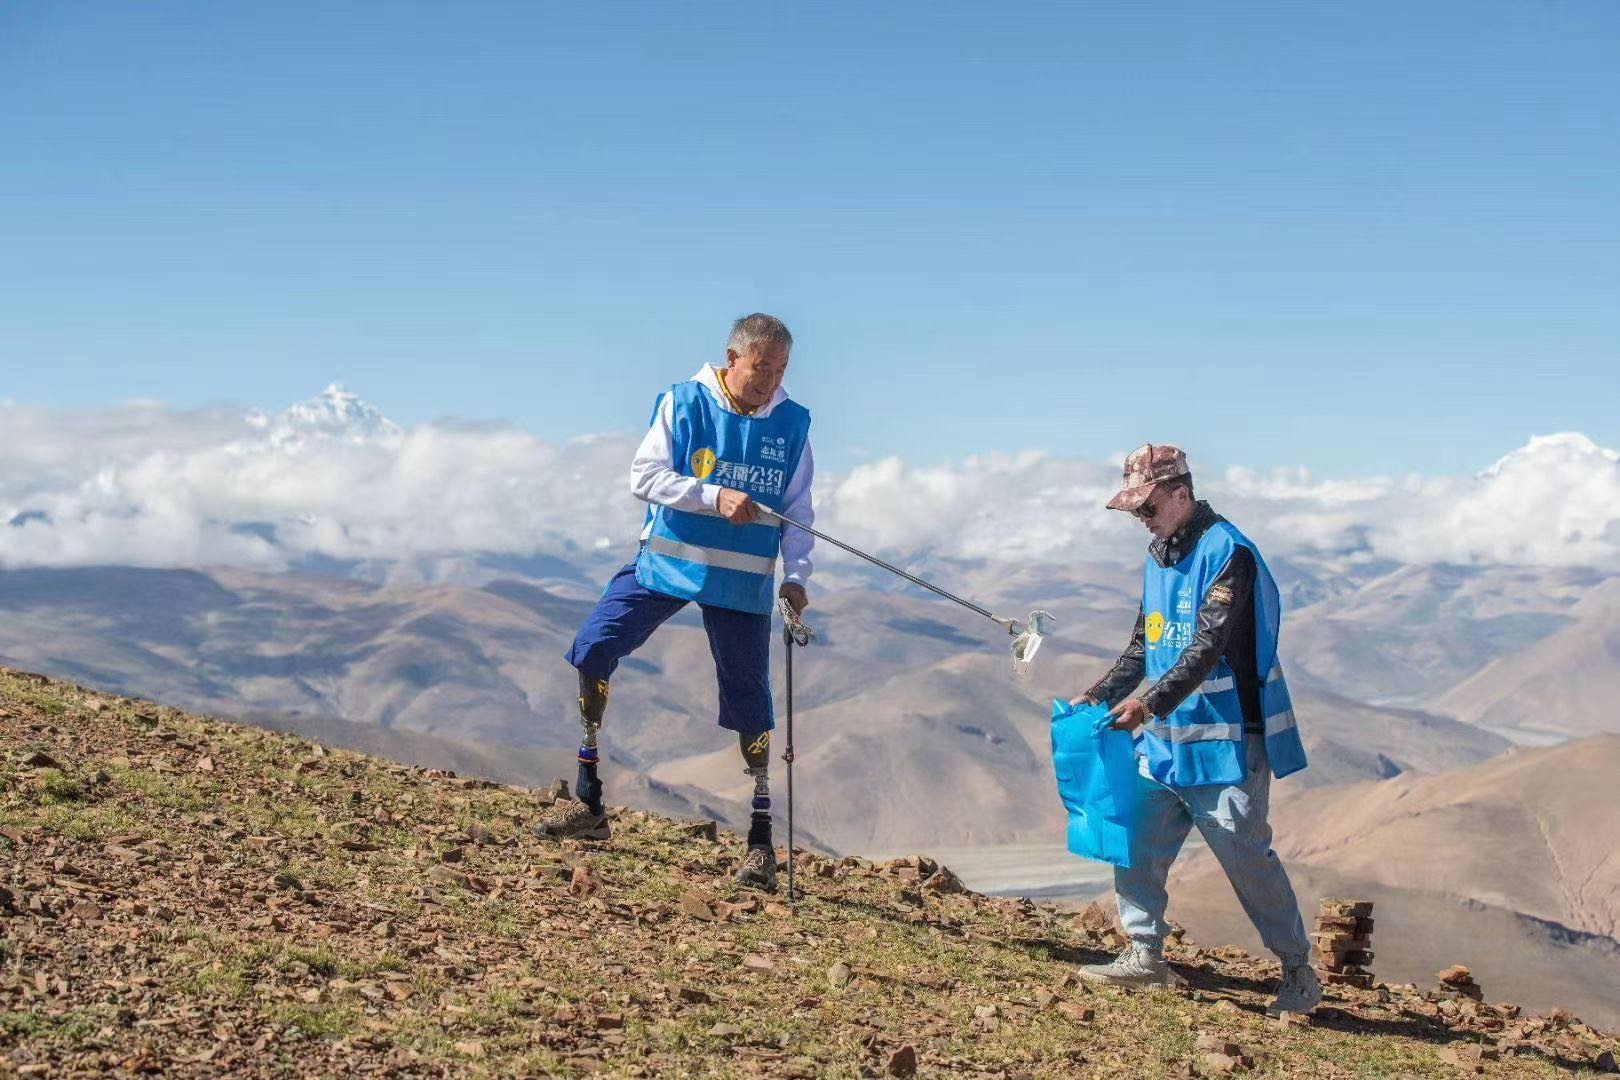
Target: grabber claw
(1027,637)
(793,627)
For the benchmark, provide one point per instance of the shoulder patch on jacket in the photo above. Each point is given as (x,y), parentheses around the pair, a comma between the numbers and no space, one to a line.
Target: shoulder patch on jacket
(1219,594)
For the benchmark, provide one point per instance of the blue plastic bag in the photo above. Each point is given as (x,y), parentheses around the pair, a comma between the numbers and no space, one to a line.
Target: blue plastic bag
(1096,779)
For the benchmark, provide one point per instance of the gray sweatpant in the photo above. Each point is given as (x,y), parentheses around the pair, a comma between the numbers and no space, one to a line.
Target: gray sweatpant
(1232,818)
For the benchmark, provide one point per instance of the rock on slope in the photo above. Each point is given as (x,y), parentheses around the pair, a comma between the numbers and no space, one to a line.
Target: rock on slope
(191,897)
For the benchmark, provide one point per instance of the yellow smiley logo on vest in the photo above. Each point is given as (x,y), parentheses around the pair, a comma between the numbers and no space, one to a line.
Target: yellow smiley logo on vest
(703,464)
(1154,628)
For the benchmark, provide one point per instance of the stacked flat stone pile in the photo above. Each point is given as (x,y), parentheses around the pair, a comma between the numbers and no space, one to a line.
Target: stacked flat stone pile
(1343,942)
(1457,982)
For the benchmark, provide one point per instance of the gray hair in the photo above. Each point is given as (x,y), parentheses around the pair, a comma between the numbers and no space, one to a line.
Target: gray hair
(752,331)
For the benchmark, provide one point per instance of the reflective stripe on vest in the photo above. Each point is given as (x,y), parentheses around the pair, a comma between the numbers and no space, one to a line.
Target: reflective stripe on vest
(1280,721)
(1283,719)
(1191,733)
(725,560)
(1229,682)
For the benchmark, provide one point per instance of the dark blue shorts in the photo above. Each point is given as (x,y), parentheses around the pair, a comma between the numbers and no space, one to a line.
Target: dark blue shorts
(740,642)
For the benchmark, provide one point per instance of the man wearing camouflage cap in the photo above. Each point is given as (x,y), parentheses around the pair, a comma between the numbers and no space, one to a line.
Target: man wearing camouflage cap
(1213,728)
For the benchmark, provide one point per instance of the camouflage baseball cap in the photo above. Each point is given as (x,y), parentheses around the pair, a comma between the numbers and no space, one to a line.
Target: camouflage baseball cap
(1145,469)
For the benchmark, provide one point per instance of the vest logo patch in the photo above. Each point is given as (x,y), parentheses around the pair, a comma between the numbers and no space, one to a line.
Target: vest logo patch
(754,479)
(773,448)
(1154,628)
(1162,633)
(703,464)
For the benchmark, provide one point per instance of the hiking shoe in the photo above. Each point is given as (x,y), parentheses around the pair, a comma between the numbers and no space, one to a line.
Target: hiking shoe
(758,869)
(571,819)
(1299,992)
(1136,966)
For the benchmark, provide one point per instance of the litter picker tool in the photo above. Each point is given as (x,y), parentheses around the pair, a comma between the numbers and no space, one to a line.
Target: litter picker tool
(1027,635)
(794,634)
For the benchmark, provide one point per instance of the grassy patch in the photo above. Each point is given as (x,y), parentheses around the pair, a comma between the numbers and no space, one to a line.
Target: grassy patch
(320,1021)
(40,698)
(495,918)
(87,822)
(172,792)
(294,818)
(29,1024)
(34,1024)
(58,787)
(232,970)
(320,959)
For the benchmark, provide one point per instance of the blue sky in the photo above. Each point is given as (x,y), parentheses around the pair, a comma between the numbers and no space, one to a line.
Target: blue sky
(1365,238)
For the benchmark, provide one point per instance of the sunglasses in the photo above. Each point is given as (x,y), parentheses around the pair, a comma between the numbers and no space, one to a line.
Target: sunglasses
(1150,509)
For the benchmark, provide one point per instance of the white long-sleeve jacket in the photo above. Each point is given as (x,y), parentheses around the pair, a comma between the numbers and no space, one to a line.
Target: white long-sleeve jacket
(653,478)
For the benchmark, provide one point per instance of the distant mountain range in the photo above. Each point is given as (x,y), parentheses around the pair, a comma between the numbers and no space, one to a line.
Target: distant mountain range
(914,730)
(1566,683)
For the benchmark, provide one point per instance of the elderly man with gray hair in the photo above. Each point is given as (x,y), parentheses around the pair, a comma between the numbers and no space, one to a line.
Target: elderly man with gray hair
(723,442)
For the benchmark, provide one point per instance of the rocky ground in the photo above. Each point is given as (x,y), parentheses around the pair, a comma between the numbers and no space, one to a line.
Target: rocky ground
(191,897)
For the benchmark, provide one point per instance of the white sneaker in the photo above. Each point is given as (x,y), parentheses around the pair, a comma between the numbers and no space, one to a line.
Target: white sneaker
(1136,966)
(1299,992)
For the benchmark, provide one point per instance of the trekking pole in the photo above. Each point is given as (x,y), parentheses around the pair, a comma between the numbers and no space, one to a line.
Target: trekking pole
(794,633)
(1027,634)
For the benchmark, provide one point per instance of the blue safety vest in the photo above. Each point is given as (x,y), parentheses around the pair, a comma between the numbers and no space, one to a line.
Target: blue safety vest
(704,557)
(1201,741)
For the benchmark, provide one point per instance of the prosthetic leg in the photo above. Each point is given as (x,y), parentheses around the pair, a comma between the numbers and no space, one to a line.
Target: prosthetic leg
(758,868)
(593,698)
(583,818)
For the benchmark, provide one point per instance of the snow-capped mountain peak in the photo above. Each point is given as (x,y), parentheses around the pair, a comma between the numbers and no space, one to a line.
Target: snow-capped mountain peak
(334,413)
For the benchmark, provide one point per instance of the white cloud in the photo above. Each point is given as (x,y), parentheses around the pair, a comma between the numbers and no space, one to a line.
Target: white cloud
(1554,502)
(147,485)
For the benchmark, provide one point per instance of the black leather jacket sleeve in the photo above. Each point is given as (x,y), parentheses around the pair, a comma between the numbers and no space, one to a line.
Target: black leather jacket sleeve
(1126,674)
(1229,601)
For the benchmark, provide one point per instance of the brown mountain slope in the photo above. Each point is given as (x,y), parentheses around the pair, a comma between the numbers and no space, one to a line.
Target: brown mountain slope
(1508,866)
(1566,684)
(1532,831)
(1515,958)
(193,898)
